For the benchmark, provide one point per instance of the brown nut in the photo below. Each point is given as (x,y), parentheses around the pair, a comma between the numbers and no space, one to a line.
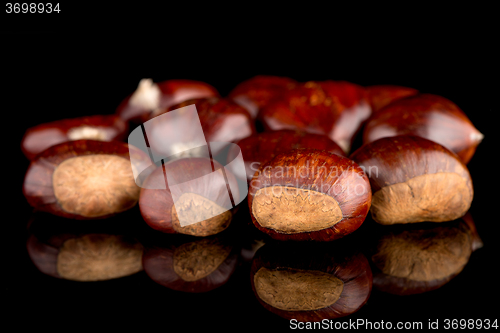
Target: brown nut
(308,194)
(99,127)
(83,179)
(414,180)
(429,116)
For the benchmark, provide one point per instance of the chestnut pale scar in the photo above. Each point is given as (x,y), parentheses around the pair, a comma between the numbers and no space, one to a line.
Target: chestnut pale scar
(437,197)
(202,216)
(95,185)
(292,210)
(98,257)
(296,289)
(196,260)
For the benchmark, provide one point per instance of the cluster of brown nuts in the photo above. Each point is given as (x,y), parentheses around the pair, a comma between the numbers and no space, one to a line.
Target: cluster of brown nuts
(305,182)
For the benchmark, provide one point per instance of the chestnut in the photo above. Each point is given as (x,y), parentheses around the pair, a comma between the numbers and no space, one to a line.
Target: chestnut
(191,265)
(83,252)
(382,95)
(333,108)
(309,194)
(419,258)
(259,148)
(193,123)
(255,93)
(150,97)
(84,179)
(310,283)
(429,116)
(193,196)
(414,180)
(98,127)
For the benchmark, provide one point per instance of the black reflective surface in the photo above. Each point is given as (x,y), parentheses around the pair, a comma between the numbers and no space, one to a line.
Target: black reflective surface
(96,83)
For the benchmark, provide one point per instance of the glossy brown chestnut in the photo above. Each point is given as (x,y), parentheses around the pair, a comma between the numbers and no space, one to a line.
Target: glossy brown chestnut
(260,148)
(381,95)
(255,93)
(194,199)
(82,252)
(421,258)
(221,120)
(84,179)
(98,127)
(150,97)
(310,283)
(308,194)
(333,108)
(414,180)
(191,265)
(429,116)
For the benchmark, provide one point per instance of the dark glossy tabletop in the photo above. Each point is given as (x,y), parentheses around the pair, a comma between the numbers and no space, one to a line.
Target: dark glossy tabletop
(229,302)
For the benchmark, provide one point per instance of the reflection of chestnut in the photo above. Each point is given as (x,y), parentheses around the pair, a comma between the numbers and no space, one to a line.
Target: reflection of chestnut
(193,199)
(262,147)
(420,258)
(82,254)
(414,180)
(83,179)
(382,95)
(255,93)
(103,128)
(429,116)
(191,265)
(310,283)
(333,108)
(308,194)
(149,98)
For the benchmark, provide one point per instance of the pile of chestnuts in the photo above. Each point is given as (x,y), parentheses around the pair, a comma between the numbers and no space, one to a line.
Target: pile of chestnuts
(308,187)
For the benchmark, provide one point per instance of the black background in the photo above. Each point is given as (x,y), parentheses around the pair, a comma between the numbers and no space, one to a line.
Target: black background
(71,70)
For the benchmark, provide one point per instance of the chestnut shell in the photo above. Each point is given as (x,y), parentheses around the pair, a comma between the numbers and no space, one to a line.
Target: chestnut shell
(262,147)
(172,92)
(383,95)
(156,205)
(40,137)
(260,90)
(399,160)
(333,108)
(429,116)
(37,186)
(339,182)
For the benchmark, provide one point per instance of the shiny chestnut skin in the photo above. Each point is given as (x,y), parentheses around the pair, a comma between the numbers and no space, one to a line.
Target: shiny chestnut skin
(221,120)
(414,180)
(255,93)
(312,281)
(429,116)
(191,265)
(84,179)
(415,259)
(97,127)
(308,194)
(333,108)
(381,95)
(161,95)
(205,189)
(83,251)
(259,148)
